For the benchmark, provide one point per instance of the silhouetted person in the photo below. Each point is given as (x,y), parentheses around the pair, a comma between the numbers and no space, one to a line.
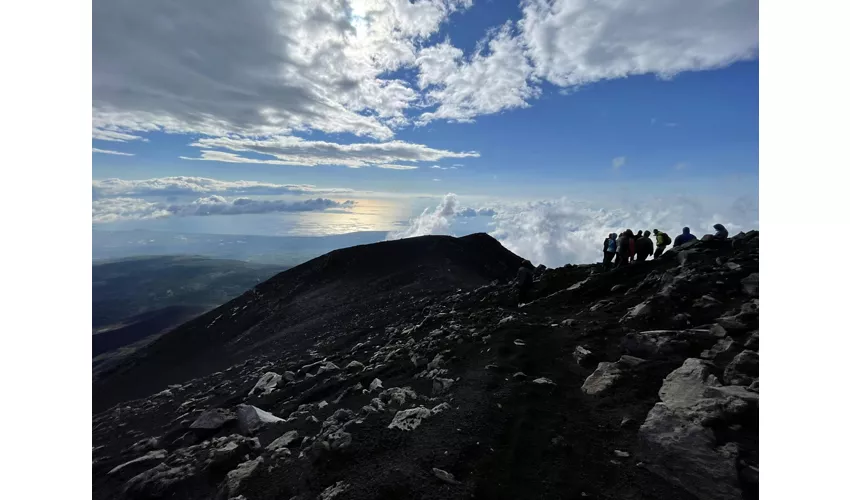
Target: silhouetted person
(524,279)
(721,233)
(683,238)
(643,247)
(624,245)
(609,250)
(632,240)
(662,239)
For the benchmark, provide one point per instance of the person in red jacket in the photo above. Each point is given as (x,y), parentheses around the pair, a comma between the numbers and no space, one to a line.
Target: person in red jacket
(632,240)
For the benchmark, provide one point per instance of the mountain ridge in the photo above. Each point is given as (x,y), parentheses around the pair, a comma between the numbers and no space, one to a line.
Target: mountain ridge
(424,389)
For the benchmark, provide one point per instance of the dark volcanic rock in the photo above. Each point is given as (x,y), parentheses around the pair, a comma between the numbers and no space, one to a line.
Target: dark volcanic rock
(407,369)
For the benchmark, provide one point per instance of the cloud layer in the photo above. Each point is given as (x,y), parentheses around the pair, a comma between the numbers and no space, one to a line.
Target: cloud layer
(297,151)
(246,76)
(118,209)
(557,232)
(193,186)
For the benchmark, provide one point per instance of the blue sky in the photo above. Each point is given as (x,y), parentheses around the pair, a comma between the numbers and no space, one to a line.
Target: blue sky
(606,106)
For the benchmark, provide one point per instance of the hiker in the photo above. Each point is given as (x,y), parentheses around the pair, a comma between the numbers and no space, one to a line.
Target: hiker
(721,233)
(632,240)
(524,279)
(624,246)
(643,246)
(661,242)
(683,238)
(609,250)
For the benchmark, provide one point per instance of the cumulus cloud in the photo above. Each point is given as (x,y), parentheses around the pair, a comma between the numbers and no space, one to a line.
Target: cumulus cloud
(268,69)
(110,152)
(557,232)
(287,150)
(491,80)
(618,162)
(189,186)
(123,208)
(574,42)
(263,67)
(437,221)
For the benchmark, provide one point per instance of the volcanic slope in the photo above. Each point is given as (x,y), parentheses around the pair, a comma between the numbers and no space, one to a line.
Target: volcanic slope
(407,369)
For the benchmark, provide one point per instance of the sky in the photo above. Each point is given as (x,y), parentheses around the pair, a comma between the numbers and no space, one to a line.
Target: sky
(547,124)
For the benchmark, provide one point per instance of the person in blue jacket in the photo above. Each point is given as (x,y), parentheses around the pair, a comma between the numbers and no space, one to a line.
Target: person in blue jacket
(609,250)
(683,238)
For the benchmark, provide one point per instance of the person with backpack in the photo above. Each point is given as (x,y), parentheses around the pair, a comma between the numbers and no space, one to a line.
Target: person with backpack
(683,238)
(609,250)
(643,246)
(661,242)
(632,248)
(625,247)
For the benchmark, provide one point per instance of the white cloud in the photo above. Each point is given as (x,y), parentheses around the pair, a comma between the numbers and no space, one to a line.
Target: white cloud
(117,209)
(188,186)
(574,42)
(258,68)
(437,167)
(288,150)
(110,152)
(103,134)
(557,232)
(680,166)
(435,221)
(393,166)
(491,80)
(618,162)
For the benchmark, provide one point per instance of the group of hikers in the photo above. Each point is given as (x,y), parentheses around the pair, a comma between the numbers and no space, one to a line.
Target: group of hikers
(620,250)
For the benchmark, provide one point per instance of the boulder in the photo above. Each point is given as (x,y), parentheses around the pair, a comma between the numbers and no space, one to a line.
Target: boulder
(266,384)
(444,476)
(684,386)
(212,420)
(355,366)
(684,453)
(327,367)
(602,379)
(407,420)
(582,355)
(252,419)
(289,376)
(283,441)
(750,285)
(397,396)
(234,479)
(375,385)
(543,381)
(721,352)
(743,369)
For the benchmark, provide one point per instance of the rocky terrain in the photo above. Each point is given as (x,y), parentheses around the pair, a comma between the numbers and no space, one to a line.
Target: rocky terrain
(408,369)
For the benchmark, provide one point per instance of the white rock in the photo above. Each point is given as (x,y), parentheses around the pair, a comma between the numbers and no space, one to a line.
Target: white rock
(407,420)
(375,385)
(602,379)
(252,418)
(543,381)
(686,385)
(266,384)
(445,476)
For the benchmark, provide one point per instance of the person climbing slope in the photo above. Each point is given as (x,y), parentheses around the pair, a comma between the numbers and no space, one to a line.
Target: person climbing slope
(683,238)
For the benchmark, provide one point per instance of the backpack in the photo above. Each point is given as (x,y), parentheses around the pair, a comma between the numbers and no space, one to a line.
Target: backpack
(666,238)
(611,245)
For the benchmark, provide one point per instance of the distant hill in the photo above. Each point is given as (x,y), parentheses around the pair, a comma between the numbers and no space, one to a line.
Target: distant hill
(286,251)
(138,297)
